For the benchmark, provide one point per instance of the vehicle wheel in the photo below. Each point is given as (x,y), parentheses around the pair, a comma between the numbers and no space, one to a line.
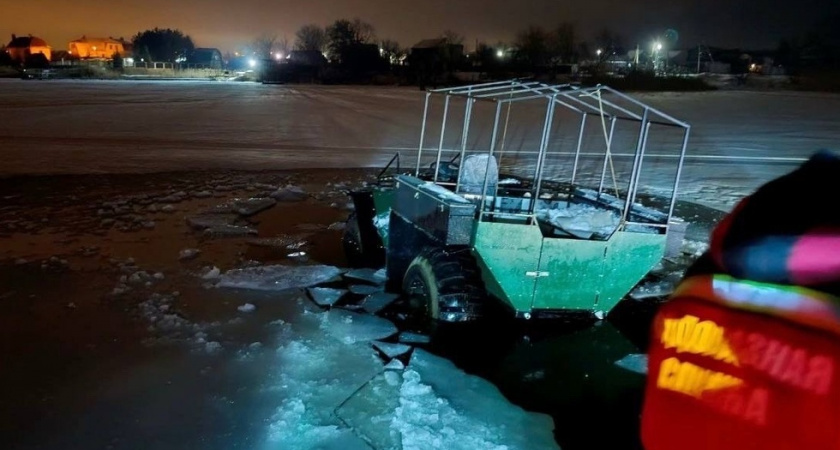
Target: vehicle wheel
(446,285)
(352,242)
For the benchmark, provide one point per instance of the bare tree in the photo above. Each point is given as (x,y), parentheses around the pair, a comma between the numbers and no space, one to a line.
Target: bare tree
(311,38)
(564,45)
(608,42)
(281,47)
(391,50)
(262,46)
(363,32)
(453,37)
(532,46)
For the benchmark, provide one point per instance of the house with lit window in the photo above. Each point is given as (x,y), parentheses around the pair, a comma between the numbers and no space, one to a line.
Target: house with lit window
(23,47)
(96,48)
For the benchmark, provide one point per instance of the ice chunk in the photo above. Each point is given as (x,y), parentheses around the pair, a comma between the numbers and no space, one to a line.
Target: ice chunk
(204,221)
(277,277)
(212,273)
(229,230)
(652,290)
(251,206)
(580,220)
(246,308)
(635,363)
(174,198)
(188,253)
(382,221)
(337,226)
(391,350)
(395,364)
(372,276)
(314,375)
(442,407)
(414,338)
(363,289)
(289,242)
(694,248)
(289,194)
(378,301)
(212,347)
(325,296)
(350,327)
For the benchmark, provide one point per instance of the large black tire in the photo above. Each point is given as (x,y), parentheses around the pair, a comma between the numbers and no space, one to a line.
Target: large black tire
(446,284)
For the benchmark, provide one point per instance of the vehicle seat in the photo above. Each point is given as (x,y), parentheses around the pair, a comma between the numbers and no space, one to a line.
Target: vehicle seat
(473,171)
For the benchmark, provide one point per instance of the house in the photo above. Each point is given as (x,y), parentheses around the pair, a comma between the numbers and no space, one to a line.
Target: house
(96,48)
(433,60)
(21,48)
(208,58)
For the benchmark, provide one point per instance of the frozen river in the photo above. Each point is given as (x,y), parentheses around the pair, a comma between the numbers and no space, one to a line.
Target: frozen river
(53,127)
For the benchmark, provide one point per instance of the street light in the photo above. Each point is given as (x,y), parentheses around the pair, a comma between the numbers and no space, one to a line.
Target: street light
(500,53)
(598,52)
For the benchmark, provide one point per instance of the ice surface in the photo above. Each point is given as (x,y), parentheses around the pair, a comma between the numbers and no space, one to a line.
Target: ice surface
(325,296)
(204,221)
(414,338)
(378,301)
(350,327)
(391,350)
(277,277)
(635,363)
(370,275)
(442,407)
(724,123)
(315,374)
(580,220)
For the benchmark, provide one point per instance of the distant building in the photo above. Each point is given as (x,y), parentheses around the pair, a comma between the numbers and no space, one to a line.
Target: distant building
(208,58)
(97,48)
(21,48)
(433,60)
(307,58)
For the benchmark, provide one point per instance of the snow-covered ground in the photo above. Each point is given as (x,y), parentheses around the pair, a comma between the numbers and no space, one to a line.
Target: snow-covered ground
(116,126)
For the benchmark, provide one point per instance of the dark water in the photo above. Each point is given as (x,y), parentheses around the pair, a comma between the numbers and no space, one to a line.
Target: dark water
(561,368)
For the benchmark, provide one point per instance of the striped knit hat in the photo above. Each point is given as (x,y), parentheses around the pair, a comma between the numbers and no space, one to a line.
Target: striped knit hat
(788,231)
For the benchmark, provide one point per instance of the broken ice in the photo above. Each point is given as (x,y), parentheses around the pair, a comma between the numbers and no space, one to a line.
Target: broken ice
(325,296)
(635,363)
(414,338)
(378,301)
(350,327)
(391,350)
(363,289)
(372,276)
(277,277)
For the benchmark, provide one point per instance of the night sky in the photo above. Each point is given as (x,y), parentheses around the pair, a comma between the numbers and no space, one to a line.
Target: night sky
(230,24)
